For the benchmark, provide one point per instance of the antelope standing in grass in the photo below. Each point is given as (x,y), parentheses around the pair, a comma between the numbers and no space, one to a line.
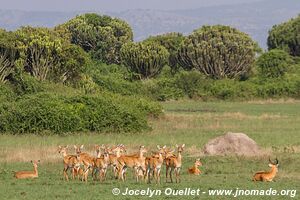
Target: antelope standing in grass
(101,164)
(174,163)
(87,160)
(136,162)
(195,170)
(28,174)
(114,154)
(154,164)
(267,175)
(70,162)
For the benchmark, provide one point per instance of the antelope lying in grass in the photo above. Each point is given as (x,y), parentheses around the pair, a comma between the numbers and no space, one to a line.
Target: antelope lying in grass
(267,175)
(154,164)
(137,162)
(70,162)
(174,163)
(28,174)
(195,170)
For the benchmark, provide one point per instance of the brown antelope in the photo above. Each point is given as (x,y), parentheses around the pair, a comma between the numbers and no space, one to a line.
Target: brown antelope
(137,162)
(101,164)
(86,159)
(114,154)
(174,163)
(195,170)
(72,162)
(267,175)
(154,164)
(28,174)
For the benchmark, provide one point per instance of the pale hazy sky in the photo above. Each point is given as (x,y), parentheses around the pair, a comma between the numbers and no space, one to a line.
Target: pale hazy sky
(110,5)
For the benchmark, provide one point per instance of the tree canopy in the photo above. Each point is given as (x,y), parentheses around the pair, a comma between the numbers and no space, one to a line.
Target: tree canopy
(218,52)
(286,36)
(171,41)
(144,58)
(102,36)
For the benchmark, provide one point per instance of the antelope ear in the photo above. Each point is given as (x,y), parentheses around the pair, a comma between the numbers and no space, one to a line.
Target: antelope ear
(75,147)
(81,147)
(176,145)
(164,147)
(158,147)
(59,146)
(183,145)
(67,146)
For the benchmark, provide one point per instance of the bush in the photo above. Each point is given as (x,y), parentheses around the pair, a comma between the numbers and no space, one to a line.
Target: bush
(273,64)
(24,83)
(61,114)
(6,93)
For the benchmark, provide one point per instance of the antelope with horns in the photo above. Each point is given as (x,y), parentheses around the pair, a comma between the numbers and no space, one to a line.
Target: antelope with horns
(72,162)
(137,162)
(28,174)
(174,163)
(195,169)
(267,175)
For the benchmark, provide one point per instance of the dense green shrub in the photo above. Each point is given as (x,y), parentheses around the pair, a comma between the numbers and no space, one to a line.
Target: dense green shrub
(114,78)
(274,63)
(6,93)
(23,83)
(60,114)
(190,82)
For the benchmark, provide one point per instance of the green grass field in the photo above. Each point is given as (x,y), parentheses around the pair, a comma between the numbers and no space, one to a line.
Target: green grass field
(275,126)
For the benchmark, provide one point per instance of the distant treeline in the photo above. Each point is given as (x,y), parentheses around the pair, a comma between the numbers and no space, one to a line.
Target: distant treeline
(95,60)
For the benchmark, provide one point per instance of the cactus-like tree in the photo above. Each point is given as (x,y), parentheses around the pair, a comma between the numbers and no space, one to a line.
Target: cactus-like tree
(171,41)
(101,36)
(8,53)
(218,52)
(286,36)
(144,58)
(39,50)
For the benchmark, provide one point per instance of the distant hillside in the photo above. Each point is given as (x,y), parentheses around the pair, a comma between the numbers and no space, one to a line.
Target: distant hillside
(254,18)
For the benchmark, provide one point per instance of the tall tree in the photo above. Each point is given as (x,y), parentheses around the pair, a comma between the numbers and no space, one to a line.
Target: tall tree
(218,51)
(171,41)
(8,54)
(144,58)
(286,36)
(39,48)
(102,36)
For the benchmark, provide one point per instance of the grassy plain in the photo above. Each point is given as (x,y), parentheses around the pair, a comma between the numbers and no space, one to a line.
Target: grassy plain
(274,125)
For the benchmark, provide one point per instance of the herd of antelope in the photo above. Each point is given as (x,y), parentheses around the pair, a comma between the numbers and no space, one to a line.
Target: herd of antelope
(81,164)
